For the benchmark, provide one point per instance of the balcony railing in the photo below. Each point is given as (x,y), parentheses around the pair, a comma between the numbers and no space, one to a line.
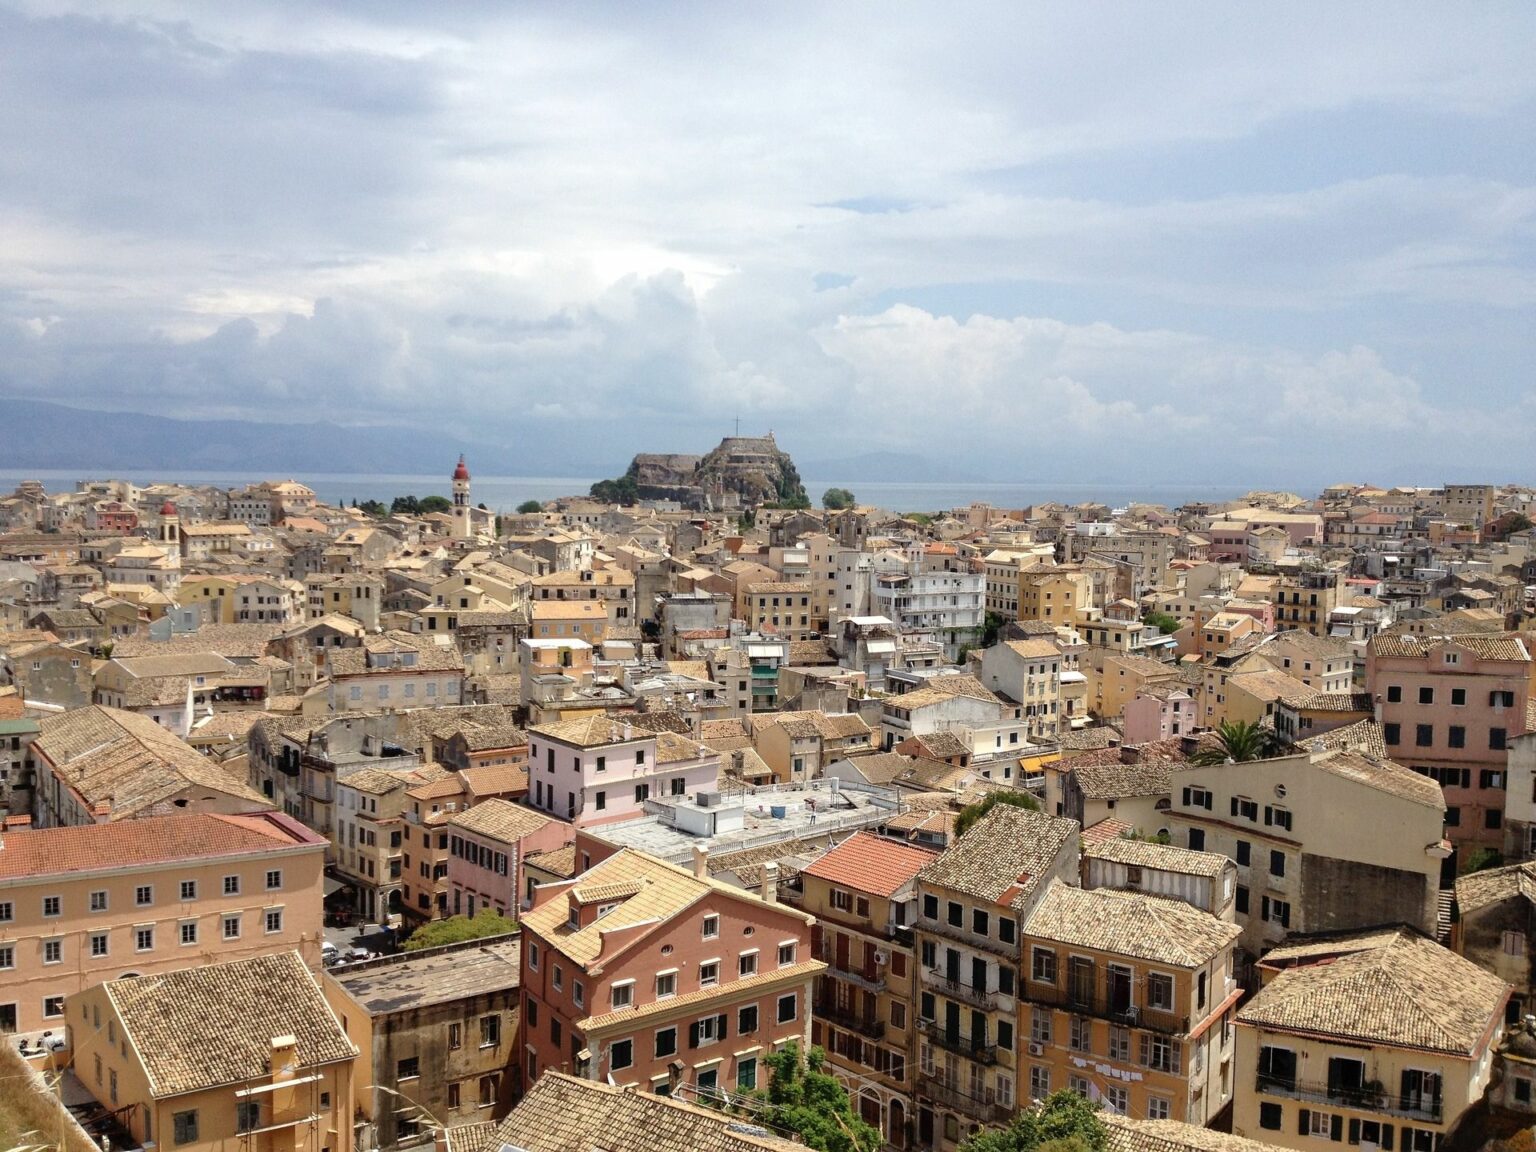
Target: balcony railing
(961,935)
(986,1109)
(965,993)
(869,979)
(971,1049)
(1083,1002)
(1366,1099)
(863,1024)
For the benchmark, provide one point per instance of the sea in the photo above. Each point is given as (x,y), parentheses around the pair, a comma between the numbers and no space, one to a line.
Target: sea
(504,493)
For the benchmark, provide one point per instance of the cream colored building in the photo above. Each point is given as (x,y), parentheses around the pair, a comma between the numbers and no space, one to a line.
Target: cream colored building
(1379,1039)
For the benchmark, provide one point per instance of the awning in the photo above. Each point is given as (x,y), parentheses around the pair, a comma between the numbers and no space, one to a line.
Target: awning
(333,885)
(878,646)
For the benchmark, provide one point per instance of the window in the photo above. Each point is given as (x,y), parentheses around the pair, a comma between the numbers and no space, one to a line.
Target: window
(408,1069)
(7,911)
(1197,797)
(247,1115)
(1392,733)
(642,793)
(746,1074)
(1244,853)
(453,1096)
(1040,1025)
(231,927)
(184,1127)
(600,800)
(1497,739)
(623,995)
(746,1020)
(1081,1036)
(144,939)
(1394,693)
(1044,966)
(979,921)
(1270,1116)
(1277,863)
(7,956)
(189,932)
(143,895)
(1426,695)
(786,955)
(1423,735)
(1197,839)
(956,915)
(747,964)
(1160,991)
(788,1007)
(53,951)
(1493,818)
(707,1031)
(711,927)
(1117,1099)
(533,955)
(189,889)
(98,901)
(1005,929)
(231,885)
(666,1042)
(274,920)
(1242,900)
(709,974)
(1244,808)
(53,1006)
(488,1088)
(1277,817)
(666,985)
(578,993)
(1158,1108)
(1039,1082)
(621,1054)
(1458,697)
(490,1030)
(274,879)
(52,906)
(455,1035)
(930,906)
(640,756)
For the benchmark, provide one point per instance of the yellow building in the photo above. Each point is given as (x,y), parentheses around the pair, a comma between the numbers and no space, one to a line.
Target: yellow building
(568,620)
(863,894)
(241,1055)
(1129,999)
(1381,1038)
(1052,595)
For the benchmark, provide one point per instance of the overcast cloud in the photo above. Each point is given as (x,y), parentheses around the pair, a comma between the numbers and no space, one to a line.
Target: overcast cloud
(1178,242)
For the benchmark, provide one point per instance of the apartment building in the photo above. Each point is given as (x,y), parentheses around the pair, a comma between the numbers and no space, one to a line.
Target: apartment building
(1468,503)
(1026,674)
(781,608)
(487,844)
(1305,598)
(369,837)
(436,1033)
(863,894)
(97,902)
(598,769)
(1380,1039)
(1495,918)
(245,1054)
(424,848)
(1449,708)
(1129,1000)
(640,972)
(972,901)
(1306,861)
(1204,880)
(393,670)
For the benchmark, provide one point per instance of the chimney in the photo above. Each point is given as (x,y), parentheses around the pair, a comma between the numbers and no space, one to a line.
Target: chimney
(700,861)
(770,889)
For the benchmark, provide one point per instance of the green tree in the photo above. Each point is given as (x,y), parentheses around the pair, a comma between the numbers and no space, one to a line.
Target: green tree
(529,507)
(1482,859)
(811,1103)
(837,498)
(372,508)
(1064,1122)
(456,929)
(405,506)
(1239,742)
(974,812)
(621,491)
(1163,622)
(992,629)
(430,504)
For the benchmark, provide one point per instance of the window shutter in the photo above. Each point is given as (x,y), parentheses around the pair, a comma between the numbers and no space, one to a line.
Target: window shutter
(1386,1138)
(720,1028)
(1336,1130)
(1354,1130)
(1234,805)
(1146,1053)
(1302,1118)
(1186,797)
(1268,815)
(693,1034)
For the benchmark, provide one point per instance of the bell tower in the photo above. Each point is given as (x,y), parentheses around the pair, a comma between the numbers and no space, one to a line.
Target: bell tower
(461,525)
(170,529)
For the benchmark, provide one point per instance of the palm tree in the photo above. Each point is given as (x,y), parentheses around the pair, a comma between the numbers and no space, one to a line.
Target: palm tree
(1239,742)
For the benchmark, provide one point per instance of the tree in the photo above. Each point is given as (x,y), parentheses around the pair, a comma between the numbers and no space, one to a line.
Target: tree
(992,629)
(529,507)
(1163,622)
(621,491)
(1240,742)
(974,812)
(372,508)
(1064,1122)
(456,929)
(835,499)
(811,1103)
(405,506)
(430,504)
(1482,859)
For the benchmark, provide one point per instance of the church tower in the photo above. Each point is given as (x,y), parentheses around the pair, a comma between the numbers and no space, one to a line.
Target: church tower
(170,530)
(461,525)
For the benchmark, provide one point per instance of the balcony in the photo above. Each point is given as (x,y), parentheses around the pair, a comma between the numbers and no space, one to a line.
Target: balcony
(869,979)
(865,1025)
(961,935)
(958,1044)
(964,993)
(1365,1099)
(1099,1004)
(987,1109)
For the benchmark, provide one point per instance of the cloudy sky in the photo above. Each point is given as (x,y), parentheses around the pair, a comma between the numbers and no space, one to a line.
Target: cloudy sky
(1193,243)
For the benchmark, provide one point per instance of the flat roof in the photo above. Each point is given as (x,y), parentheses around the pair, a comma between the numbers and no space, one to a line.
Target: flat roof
(436,976)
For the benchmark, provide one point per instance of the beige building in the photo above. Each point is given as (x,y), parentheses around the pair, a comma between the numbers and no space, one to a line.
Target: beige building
(863,894)
(1381,1039)
(1129,1000)
(243,1055)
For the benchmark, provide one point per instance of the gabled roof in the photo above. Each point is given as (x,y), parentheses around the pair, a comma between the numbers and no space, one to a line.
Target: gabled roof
(864,862)
(500,820)
(1380,987)
(1130,924)
(1477,890)
(210,1026)
(1146,854)
(1003,857)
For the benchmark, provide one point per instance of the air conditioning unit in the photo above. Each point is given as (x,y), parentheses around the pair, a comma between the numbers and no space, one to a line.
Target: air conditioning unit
(882,957)
(1036,1049)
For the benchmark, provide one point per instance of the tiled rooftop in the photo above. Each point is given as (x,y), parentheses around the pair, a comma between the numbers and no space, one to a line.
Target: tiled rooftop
(868,863)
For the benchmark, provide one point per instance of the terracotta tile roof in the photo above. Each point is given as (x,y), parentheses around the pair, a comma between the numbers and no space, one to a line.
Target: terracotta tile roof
(1362,736)
(1330,702)
(1384,775)
(1477,890)
(560,861)
(1147,854)
(1004,855)
(562,1113)
(1114,779)
(500,820)
(868,863)
(672,748)
(211,1026)
(1486,647)
(1034,649)
(1130,924)
(1394,987)
(495,779)
(28,852)
(1128,1135)
(592,731)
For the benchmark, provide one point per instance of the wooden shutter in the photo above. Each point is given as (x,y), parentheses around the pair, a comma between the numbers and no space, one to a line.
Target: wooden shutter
(1354,1130)
(693,1034)
(1302,1117)
(1336,1130)
(720,1026)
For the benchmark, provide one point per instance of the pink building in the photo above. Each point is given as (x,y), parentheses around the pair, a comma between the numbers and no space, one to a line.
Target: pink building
(1449,706)
(1158,713)
(487,845)
(600,769)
